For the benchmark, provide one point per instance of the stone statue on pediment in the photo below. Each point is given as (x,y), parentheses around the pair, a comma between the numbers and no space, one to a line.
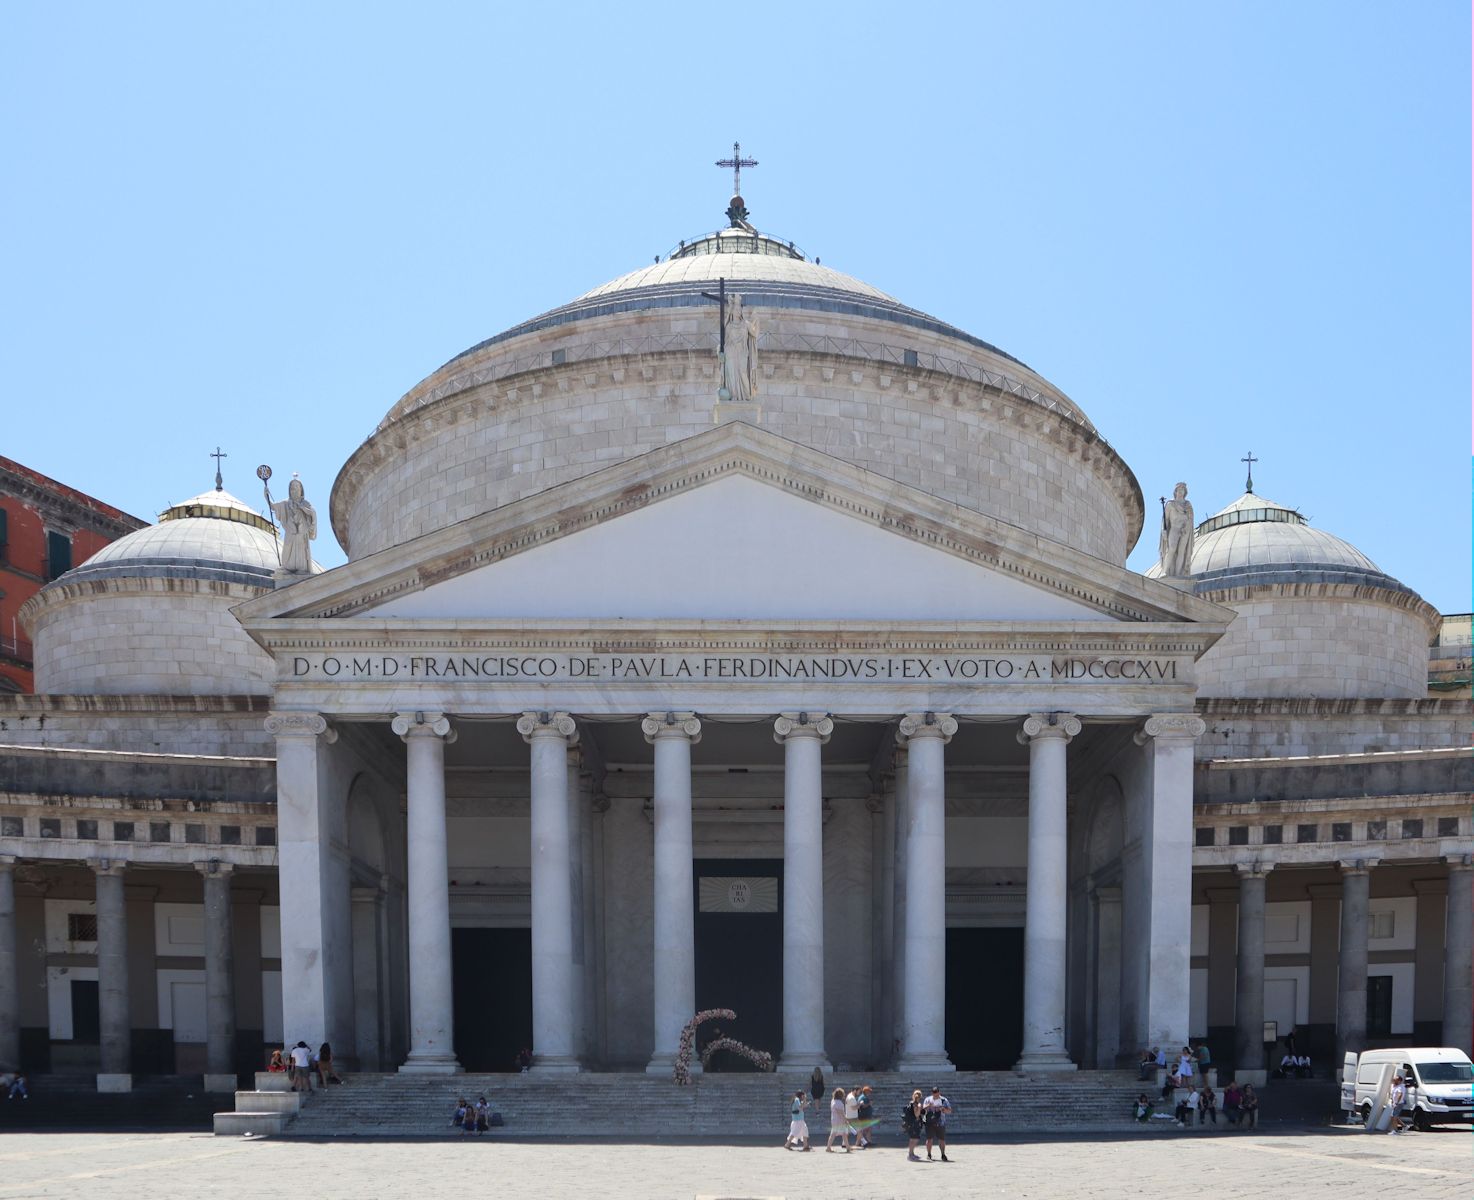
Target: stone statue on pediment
(1175,548)
(739,359)
(298,520)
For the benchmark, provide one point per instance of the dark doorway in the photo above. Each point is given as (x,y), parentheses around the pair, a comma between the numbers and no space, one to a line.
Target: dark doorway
(492,989)
(985,998)
(86,1016)
(739,953)
(1379,1006)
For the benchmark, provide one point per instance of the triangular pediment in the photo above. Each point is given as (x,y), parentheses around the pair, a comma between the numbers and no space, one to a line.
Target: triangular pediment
(733,524)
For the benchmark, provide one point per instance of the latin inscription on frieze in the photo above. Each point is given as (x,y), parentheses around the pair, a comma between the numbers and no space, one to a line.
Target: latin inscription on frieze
(725,668)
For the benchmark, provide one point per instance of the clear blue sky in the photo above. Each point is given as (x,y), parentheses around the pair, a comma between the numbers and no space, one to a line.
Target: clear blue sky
(1218,227)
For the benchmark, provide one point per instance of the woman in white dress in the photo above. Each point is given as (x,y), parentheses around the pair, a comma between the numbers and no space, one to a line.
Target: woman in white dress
(838,1127)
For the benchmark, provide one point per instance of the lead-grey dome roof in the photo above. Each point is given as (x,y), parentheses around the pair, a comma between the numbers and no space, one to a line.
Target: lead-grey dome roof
(1256,541)
(212,536)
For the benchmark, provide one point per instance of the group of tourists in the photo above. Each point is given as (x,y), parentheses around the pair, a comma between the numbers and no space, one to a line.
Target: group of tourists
(301,1065)
(1240,1106)
(852,1119)
(473,1118)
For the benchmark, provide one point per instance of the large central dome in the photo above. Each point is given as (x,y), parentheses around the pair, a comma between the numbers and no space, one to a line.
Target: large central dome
(842,366)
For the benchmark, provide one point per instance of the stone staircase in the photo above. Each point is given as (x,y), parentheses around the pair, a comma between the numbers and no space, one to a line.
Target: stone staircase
(718,1107)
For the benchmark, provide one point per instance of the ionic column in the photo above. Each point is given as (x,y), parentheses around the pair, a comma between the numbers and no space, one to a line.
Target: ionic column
(672,734)
(9,970)
(431,1009)
(1458,960)
(1166,806)
(802,734)
(923,1046)
(554,1011)
(306,879)
(1249,977)
(902,817)
(1045,911)
(220,1073)
(115,1020)
(1351,992)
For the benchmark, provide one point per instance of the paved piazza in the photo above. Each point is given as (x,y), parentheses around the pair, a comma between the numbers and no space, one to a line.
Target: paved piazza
(162,1166)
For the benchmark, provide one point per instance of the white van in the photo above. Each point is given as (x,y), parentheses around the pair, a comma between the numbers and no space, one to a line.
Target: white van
(1440,1083)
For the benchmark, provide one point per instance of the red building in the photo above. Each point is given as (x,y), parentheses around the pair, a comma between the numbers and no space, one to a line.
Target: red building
(46,528)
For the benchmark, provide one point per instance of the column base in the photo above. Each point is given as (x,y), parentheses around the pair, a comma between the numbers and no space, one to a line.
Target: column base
(431,1064)
(220,1083)
(1257,1078)
(665,1064)
(803,1062)
(1047,1060)
(922,1061)
(115,1083)
(555,1064)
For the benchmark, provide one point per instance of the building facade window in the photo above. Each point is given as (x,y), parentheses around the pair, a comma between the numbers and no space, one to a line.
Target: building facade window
(58,555)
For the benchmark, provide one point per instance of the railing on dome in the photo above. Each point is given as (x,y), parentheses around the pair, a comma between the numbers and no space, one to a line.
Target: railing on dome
(735,241)
(667,343)
(1247,516)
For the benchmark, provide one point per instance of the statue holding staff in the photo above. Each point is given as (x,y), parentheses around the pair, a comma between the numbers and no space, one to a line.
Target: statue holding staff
(1175,548)
(298,520)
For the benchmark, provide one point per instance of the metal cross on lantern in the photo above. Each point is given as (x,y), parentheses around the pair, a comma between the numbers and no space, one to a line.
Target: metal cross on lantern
(736,162)
(1251,460)
(217,456)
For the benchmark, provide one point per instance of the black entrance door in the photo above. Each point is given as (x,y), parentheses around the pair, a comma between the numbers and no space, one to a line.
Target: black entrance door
(985,998)
(739,952)
(86,1015)
(492,989)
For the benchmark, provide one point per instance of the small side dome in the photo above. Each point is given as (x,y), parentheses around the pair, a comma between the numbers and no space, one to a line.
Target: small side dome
(150,613)
(1317,617)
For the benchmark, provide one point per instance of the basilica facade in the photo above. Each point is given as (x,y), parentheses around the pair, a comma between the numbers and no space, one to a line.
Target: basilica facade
(732,636)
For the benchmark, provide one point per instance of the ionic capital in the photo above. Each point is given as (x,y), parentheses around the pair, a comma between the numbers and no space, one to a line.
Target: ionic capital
(547,724)
(1061,725)
(300,725)
(1176,726)
(671,724)
(926,725)
(802,724)
(423,724)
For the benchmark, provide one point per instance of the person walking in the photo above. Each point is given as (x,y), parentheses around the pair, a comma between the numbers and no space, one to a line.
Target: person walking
(325,1072)
(913,1125)
(852,1117)
(1395,1101)
(936,1109)
(816,1085)
(866,1109)
(837,1127)
(798,1128)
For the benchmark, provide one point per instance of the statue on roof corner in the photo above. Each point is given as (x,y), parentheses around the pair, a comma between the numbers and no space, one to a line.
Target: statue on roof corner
(298,521)
(1175,549)
(739,360)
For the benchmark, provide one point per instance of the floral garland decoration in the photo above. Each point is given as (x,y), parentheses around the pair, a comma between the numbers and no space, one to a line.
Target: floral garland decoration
(761,1059)
(688,1039)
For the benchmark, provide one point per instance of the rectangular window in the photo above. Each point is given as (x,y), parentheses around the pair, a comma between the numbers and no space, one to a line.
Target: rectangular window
(13,826)
(230,835)
(81,927)
(4,531)
(908,357)
(266,835)
(1412,829)
(1448,827)
(87,830)
(122,831)
(50,827)
(1204,837)
(1274,835)
(1307,833)
(58,554)
(158,831)
(1379,1005)
(1340,831)
(1238,835)
(194,834)
(1376,831)
(1382,924)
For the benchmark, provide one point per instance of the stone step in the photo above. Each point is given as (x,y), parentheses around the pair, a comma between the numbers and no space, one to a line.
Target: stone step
(237,1123)
(282,1102)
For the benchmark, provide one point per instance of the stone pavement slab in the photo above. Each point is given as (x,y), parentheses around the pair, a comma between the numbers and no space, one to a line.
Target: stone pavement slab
(170,1166)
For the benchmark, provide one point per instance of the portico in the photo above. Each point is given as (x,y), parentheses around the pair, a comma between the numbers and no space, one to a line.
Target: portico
(1004,683)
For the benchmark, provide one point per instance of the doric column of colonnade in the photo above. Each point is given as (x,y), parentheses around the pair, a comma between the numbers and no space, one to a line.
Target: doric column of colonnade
(431,1009)
(1249,976)
(801,735)
(1458,957)
(1046,899)
(114,1018)
(220,1073)
(923,1045)
(555,1023)
(672,735)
